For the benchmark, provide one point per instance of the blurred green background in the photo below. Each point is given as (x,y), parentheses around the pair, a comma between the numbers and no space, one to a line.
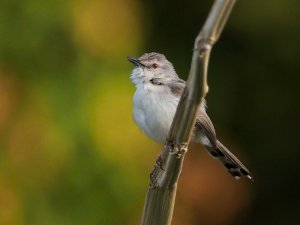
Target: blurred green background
(70,152)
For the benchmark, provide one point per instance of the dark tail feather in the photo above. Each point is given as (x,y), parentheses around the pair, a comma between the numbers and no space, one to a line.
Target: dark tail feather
(229,161)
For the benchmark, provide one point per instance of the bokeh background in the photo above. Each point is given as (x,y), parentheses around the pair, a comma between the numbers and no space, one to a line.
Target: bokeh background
(70,152)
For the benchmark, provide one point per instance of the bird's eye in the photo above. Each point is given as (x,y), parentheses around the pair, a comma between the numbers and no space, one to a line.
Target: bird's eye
(154,65)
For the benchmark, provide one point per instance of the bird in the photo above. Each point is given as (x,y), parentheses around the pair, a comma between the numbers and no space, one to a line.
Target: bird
(158,90)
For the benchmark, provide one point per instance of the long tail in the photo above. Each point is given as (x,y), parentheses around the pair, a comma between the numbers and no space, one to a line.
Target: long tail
(229,161)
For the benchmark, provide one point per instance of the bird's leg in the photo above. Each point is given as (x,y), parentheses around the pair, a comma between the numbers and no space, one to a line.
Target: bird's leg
(153,177)
(159,161)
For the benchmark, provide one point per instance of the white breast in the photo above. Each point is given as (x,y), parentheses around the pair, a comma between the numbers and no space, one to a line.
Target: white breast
(153,110)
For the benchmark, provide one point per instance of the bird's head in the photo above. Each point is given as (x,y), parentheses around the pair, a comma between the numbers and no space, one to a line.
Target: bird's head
(152,66)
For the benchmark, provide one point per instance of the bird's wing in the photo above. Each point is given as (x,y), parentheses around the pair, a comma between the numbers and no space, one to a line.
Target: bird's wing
(204,124)
(176,87)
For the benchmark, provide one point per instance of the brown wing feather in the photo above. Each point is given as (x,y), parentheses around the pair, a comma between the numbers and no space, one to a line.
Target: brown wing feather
(176,87)
(206,127)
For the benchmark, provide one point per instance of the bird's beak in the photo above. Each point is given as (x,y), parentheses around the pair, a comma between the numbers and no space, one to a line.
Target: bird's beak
(135,61)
